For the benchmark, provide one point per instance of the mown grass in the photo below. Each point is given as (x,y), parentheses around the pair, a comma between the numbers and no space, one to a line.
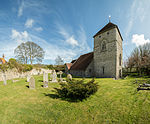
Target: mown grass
(117,101)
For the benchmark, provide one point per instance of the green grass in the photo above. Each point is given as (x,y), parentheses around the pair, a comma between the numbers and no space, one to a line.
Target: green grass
(117,101)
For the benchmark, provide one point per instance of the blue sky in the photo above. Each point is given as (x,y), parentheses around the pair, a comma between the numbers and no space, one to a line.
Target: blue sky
(66,27)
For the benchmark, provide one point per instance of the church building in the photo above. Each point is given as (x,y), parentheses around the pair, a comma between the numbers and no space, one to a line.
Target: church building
(105,60)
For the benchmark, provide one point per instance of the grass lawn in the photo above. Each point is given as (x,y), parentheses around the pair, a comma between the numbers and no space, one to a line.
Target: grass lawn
(117,101)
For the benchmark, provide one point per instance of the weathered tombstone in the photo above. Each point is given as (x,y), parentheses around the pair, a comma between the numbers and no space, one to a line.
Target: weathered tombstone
(60,73)
(45,80)
(4,79)
(51,75)
(43,76)
(54,76)
(46,77)
(69,77)
(28,78)
(32,83)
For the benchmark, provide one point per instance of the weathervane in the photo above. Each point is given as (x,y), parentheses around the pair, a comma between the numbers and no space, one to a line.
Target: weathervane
(109,18)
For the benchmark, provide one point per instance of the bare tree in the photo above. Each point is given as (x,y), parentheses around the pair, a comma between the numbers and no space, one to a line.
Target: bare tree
(140,59)
(21,53)
(29,52)
(59,61)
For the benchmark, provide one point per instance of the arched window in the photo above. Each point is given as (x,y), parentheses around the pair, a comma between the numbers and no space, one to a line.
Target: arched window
(103,47)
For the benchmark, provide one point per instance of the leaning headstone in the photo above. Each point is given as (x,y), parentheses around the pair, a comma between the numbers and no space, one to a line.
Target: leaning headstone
(28,78)
(45,80)
(4,79)
(32,83)
(54,76)
(69,77)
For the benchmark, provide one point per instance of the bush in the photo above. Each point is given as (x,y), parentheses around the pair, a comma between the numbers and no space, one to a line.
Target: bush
(76,90)
(27,67)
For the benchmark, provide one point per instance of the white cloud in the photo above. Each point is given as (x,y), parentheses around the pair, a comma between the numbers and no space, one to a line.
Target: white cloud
(20,10)
(38,29)
(20,36)
(39,7)
(137,11)
(69,38)
(84,47)
(139,39)
(53,50)
(29,23)
(77,40)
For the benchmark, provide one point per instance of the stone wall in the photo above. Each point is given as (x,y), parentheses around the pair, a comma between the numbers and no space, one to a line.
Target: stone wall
(12,74)
(78,73)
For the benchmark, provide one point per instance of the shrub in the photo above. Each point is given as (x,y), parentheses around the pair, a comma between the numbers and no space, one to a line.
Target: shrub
(76,90)
(27,67)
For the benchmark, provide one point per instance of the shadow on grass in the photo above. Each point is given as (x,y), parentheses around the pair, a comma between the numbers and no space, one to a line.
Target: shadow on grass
(40,80)
(42,85)
(55,96)
(27,86)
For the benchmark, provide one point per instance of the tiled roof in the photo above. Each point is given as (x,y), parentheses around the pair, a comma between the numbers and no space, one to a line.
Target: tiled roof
(82,62)
(106,28)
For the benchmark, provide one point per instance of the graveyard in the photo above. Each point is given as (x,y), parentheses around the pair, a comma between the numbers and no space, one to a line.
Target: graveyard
(115,101)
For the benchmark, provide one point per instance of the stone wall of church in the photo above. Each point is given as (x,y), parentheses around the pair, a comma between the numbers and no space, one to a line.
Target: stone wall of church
(105,60)
(119,52)
(77,73)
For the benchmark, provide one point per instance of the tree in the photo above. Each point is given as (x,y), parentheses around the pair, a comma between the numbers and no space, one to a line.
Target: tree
(21,53)
(140,59)
(59,61)
(29,52)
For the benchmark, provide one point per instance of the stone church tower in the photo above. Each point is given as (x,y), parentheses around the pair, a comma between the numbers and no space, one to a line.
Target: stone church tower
(108,52)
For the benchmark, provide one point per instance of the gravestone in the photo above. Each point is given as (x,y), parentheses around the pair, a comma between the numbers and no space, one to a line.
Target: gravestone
(43,76)
(32,83)
(54,76)
(51,75)
(69,77)
(60,74)
(4,79)
(45,81)
(28,78)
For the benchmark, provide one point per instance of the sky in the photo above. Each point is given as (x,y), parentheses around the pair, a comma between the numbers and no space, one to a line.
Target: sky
(66,27)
